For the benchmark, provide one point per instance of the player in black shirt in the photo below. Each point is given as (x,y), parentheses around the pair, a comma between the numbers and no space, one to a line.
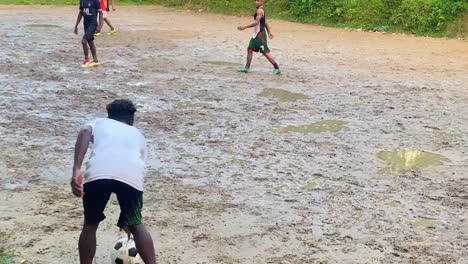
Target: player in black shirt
(89,10)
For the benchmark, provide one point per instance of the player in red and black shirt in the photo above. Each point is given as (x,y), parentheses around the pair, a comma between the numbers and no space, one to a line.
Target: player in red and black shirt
(89,11)
(105,8)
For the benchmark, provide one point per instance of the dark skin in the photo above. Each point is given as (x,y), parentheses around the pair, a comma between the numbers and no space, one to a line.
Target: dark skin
(87,241)
(84,41)
(260,13)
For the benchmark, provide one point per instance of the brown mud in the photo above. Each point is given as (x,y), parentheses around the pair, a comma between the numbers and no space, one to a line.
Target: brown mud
(222,186)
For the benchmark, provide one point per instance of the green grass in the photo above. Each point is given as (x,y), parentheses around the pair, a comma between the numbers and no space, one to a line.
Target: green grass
(6,260)
(439,18)
(5,257)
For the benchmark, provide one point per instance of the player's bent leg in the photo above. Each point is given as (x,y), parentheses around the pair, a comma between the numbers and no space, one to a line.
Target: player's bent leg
(86,62)
(93,52)
(84,42)
(249,61)
(249,58)
(110,25)
(143,243)
(131,204)
(272,61)
(87,243)
(269,57)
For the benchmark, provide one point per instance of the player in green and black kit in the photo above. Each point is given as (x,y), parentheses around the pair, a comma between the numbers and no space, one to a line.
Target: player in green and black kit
(89,10)
(259,39)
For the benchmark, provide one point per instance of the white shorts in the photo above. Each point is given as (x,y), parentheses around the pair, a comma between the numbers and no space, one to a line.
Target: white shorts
(104,14)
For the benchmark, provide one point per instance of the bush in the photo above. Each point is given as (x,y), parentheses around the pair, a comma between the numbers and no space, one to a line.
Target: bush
(426,16)
(416,16)
(364,13)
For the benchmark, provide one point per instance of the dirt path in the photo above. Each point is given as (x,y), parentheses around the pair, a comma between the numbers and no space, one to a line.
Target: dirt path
(226,183)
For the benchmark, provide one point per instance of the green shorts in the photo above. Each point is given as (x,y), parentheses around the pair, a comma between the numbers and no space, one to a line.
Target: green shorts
(259,43)
(97,194)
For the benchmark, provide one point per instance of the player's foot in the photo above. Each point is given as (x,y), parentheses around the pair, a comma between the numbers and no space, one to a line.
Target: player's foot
(97,34)
(277,72)
(112,32)
(243,69)
(94,63)
(86,63)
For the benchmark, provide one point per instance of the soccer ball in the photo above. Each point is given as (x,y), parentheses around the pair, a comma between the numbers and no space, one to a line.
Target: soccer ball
(125,252)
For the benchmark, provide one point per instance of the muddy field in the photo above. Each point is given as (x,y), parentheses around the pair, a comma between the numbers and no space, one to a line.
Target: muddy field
(357,153)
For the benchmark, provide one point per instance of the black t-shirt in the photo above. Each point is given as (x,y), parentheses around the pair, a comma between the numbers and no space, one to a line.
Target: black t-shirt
(90,10)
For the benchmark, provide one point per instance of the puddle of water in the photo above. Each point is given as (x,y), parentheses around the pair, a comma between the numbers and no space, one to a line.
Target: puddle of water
(333,187)
(17,55)
(137,84)
(280,187)
(318,127)
(43,115)
(43,26)
(403,160)
(283,95)
(390,201)
(222,63)
(191,105)
(424,223)
(309,185)
(195,181)
(13,186)
(445,137)
(239,161)
(188,134)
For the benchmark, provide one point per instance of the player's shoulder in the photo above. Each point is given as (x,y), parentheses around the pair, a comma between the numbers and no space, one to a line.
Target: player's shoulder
(96,121)
(139,132)
(91,124)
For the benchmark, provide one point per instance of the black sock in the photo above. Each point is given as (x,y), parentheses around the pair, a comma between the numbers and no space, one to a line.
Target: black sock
(275,65)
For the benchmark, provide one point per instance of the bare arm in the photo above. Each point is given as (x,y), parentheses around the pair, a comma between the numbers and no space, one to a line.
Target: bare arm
(255,23)
(113,5)
(270,34)
(78,20)
(81,146)
(101,20)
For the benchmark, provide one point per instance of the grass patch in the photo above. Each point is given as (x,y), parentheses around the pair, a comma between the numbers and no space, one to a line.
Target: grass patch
(6,257)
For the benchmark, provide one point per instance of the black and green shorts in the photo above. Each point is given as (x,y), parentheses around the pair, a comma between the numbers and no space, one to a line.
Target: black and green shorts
(97,194)
(259,43)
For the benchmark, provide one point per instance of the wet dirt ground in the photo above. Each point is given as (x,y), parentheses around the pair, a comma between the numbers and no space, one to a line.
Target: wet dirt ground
(357,153)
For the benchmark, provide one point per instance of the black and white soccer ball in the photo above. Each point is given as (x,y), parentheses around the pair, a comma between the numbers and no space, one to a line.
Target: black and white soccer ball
(125,252)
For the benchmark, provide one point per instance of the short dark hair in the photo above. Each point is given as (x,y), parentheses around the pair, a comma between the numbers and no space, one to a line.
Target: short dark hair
(121,110)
